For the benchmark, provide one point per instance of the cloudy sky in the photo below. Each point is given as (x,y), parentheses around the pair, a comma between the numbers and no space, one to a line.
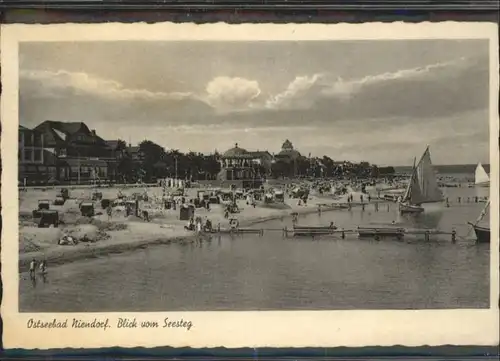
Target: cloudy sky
(379,101)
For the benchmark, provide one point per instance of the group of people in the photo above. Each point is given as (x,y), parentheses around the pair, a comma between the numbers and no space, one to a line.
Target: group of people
(42,267)
(350,198)
(198,226)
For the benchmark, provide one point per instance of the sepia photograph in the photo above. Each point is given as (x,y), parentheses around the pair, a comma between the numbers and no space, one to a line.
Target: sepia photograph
(205,174)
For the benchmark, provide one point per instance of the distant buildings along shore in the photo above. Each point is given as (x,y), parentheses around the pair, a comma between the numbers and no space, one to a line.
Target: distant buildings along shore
(57,152)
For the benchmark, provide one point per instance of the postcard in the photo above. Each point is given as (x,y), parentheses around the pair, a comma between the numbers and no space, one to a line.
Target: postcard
(253,185)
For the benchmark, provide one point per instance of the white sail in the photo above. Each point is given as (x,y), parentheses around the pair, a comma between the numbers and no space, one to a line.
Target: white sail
(427,180)
(413,194)
(481,175)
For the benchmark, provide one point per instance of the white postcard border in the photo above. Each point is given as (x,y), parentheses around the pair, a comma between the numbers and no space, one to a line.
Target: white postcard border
(241,329)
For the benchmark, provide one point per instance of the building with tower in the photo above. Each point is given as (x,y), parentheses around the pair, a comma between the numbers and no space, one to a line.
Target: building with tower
(244,168)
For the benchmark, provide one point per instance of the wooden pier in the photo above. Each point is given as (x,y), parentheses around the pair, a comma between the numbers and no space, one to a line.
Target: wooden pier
(238,230)
(299,231)
(365,232)
(375,232)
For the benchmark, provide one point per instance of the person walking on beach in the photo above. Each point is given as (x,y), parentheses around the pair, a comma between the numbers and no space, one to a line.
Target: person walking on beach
(109,211)
(32,268)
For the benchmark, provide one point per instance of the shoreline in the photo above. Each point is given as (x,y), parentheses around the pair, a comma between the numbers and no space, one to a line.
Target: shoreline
(68,254)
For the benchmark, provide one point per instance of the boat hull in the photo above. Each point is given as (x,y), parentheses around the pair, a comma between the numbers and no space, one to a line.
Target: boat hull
(408,208)
(482,234)
(482,184)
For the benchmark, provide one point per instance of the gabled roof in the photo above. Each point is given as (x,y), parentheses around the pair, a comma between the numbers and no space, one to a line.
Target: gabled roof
(57,132)
(68,128)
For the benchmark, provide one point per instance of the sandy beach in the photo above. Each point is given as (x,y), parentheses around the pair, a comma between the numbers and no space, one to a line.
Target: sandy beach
(104,236)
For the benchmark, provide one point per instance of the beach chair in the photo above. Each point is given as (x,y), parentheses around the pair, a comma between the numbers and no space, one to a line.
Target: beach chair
(105,203)
(87,209)
(48,218)
(59,201)
(96,196)
(43,204)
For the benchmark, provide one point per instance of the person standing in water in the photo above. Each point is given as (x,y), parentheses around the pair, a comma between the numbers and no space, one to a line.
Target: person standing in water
(32,268)
(43,267)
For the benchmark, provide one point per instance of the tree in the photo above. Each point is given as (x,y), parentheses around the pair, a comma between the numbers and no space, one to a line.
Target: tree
(124,167)
(152,153)
(280,169)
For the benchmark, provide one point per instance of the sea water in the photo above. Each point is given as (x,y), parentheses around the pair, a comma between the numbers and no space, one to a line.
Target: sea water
(271,272)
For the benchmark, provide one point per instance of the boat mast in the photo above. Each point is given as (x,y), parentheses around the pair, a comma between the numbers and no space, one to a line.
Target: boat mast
(483,213)
(407,194)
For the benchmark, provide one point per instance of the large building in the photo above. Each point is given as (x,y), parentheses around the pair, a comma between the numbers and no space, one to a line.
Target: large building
(79,155)
(241,166)
(36,164)
(287,153)
(290,156)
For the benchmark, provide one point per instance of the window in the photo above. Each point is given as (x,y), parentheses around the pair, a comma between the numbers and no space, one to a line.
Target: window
(28,155)
(38,137)
(38,155)
(28,141)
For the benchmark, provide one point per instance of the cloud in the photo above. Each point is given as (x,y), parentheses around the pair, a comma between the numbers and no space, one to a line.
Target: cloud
(299,94)
(421,93)
(71,96)
(230,94)
(433,90)
(61,83)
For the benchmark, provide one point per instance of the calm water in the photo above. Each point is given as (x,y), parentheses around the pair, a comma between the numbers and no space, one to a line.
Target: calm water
(265,273)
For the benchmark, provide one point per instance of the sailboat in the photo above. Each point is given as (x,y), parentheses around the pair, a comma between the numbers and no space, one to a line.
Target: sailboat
(482,232)
(482,179)
(422,187)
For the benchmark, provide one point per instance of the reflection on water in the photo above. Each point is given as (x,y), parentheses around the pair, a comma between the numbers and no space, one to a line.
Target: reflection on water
(250,272)
(429,220)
